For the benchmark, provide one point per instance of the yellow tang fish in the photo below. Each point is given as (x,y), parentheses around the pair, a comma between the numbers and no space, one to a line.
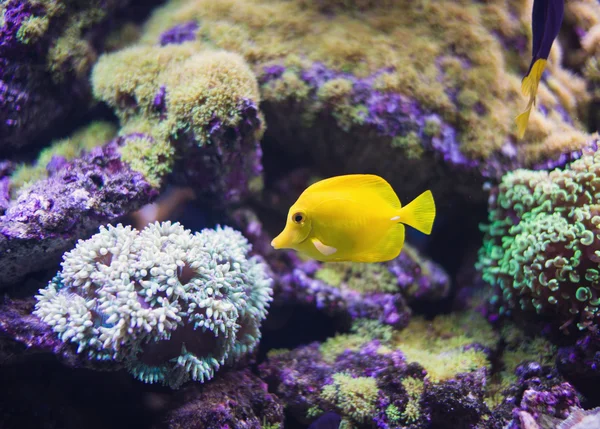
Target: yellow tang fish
(357,217)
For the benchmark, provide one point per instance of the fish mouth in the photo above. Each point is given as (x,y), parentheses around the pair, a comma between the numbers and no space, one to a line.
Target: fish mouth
(277,244)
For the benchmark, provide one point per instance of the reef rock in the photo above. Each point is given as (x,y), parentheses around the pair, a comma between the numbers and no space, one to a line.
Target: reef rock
(339,91)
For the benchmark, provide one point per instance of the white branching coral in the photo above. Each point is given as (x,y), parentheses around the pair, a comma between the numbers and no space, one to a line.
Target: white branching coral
(169,304)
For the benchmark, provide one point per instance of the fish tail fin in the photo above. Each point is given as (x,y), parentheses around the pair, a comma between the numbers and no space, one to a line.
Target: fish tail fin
(419,213)
(522,121)
(529,88)
(530,82)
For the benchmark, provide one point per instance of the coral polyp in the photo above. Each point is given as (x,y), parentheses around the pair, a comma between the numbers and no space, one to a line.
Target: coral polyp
(169,304)
(541,244)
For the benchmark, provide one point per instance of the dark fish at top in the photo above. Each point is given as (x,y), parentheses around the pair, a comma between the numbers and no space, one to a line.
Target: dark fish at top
(328,420)
(546,20)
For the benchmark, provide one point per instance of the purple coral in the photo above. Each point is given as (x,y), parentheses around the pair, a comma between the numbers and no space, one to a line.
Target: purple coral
(390,114)
(179,33)
(21,332)
(580,362)
(6,167)
(37,89)
(48,217)
(15,13)
(540,394)
(224,168)
(235,400)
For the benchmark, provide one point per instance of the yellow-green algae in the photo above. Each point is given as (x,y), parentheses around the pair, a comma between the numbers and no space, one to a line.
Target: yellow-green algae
(313,411)
(361,277)
(154,159)
(426,43)
(366,278)
(266,425)
(355,397)
(32,29)
(198,87)
(437,345)
(410,145)
(414,389)
(70,53)
(520,347)
(85,138)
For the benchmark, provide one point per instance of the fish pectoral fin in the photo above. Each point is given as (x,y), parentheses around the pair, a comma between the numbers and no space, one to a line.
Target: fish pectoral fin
(323,248)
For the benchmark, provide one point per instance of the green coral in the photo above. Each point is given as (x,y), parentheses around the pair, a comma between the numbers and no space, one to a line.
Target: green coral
(85,138)
(414,389)
(393,413)
(540,246)
(355,397)
(154,159)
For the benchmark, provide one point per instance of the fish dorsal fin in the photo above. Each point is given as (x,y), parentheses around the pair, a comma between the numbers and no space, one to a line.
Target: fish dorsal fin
(369,182)
(323,248)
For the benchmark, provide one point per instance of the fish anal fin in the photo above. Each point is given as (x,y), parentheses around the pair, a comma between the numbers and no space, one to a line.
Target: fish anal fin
(419,213)
(358,182)
(323,248)
(387,249)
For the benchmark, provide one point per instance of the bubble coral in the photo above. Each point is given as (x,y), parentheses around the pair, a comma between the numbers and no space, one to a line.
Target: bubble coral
(540,247)
(170,305)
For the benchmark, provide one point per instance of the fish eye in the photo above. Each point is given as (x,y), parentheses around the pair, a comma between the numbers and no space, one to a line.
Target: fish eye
(298,217)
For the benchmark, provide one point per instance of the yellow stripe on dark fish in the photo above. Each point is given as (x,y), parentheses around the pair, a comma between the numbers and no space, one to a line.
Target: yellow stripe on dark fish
(357,217)
(546,20)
